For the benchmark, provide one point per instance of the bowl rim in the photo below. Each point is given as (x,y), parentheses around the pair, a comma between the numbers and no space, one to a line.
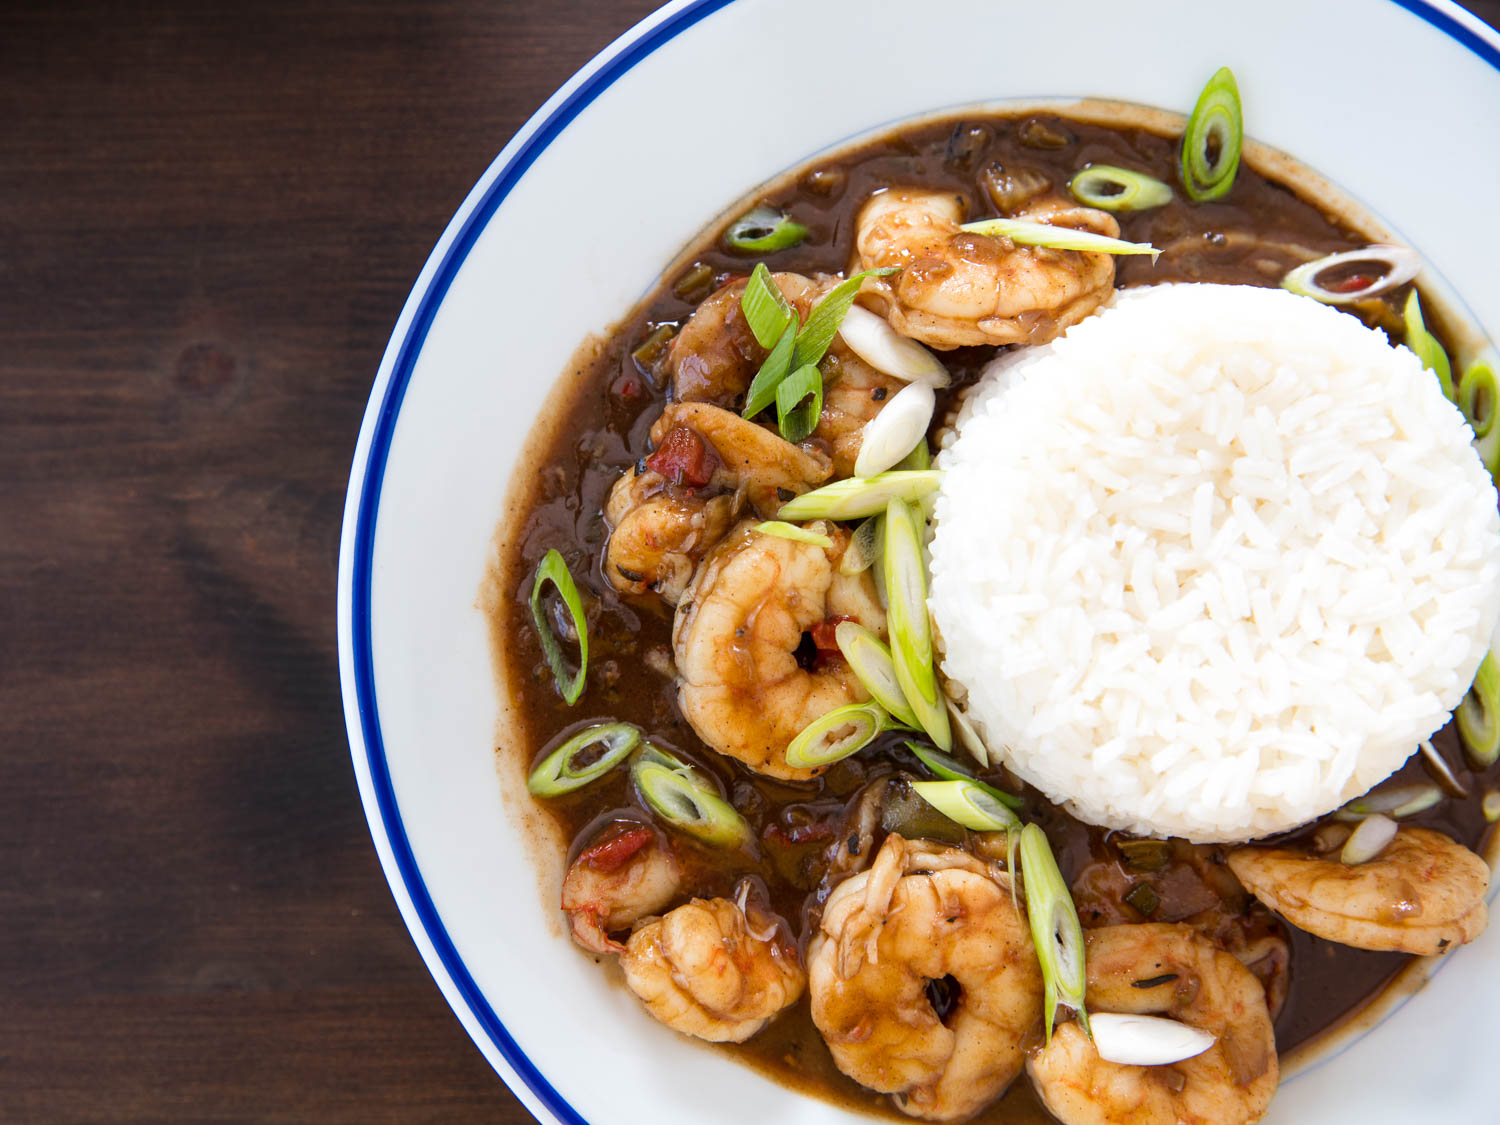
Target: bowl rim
(362,502)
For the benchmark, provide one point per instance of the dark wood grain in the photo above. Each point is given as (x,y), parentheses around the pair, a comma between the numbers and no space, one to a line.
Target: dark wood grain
(209,219)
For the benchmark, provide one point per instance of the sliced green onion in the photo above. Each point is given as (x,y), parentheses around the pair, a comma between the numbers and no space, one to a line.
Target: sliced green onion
(765,307)
(1132,1040)
(843,731)
(910,627)
(857,497)
(1391,266)
(950,768)
(649,352)
(966,803)
(899,428)
(1118,189)
(1024,232)
(799,401)
(1438,766)
(686,800)
(1425,344)
(1368,839)
(918,460)
(1400,802)
(967,736)
(778,366)
(871,337)
(872,663)
(555,571)
(795,533)
(862,551)
(1478,397)
(1054,928)
(763,230)
(1491,806)
(559,772)
(1217,119)
(823,322)
(1478,715)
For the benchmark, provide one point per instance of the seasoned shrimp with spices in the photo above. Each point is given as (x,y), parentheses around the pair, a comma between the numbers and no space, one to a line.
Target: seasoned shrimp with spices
(708,465)
(751,674)
(621,877)
(1421,894)
(1165,970)
(957,288)
(715,969)
(926,921)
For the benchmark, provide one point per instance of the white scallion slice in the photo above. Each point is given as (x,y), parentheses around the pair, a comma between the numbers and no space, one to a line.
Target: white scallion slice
(1368,840)
(872,663)
(1024,232)
(1146,1040)
(1491,806)
(1439,766)
(1112,188)
(967,803)
(687,800)
(561,772)
(949,768)
(858,497)
(910,627)
(795,533)
(1478,715)
(1055,930)
(555,571)
(1479,399)
(899,428)
(824,320)
(1388,267)
(862,552)
(1426,345)
(765,307)
(1399,801)
(968,737)
(871,337)
(843,731)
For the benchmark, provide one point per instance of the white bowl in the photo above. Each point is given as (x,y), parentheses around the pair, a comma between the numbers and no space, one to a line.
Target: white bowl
(1384,98)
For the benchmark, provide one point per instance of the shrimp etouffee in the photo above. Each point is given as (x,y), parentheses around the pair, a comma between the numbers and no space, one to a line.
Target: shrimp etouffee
(786,835)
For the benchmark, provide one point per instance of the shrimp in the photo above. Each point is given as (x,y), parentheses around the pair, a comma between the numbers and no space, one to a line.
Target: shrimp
(957,288)
(668,512)
(615,881)
(1168,970)
(921,915)
(738,634)
(1422,894)
(714,969)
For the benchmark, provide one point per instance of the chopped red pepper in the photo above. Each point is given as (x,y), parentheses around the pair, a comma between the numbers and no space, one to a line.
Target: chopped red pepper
(823,633)
(614,853)
(684,458)
(1351,284)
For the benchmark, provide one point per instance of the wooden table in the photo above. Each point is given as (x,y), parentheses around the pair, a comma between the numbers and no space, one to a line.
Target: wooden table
(209,219)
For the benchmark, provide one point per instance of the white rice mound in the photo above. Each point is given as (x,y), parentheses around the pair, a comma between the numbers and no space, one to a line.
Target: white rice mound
(1213,563)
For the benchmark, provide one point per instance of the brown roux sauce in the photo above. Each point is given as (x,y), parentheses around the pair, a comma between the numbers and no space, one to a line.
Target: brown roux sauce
(1241,239)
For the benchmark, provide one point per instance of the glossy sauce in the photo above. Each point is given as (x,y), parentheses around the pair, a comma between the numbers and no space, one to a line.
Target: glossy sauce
(1243,239)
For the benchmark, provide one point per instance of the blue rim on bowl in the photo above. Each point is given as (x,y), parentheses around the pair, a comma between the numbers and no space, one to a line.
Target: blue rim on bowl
(356,657)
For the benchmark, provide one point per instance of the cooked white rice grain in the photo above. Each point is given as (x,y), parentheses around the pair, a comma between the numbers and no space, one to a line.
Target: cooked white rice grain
(1214,562)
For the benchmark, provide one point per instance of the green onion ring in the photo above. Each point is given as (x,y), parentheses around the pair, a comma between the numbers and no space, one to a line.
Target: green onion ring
(1397,802)
(763,230)
(1024,232)
(862,551)
(1135,191)
(872,663)
(1478,398)
(796,534)
(554,570)
(1398,265)
(1478,715)
(838,734)
(909,625)
(1216,116)
(799,401)
(856,497)
(686,800)
(1426,345)
(967,803)
(556,774)
(765,307)
(1055,930)
(1490,806)
(949,768)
